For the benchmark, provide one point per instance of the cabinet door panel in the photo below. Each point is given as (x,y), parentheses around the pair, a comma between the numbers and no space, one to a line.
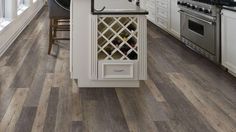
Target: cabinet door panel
(229,40)
(150,6)
(174,18)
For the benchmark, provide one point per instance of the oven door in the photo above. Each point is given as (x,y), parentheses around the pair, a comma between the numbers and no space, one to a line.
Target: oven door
(199,31)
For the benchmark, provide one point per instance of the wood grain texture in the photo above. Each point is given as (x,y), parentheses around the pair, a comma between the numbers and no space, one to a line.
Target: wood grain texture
(213,114)
(14,109)
(102,111)
(163,126)
(43,104)
(26,119)
(50,121)
(184,92)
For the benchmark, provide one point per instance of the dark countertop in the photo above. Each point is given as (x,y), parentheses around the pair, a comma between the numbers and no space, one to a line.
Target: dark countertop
(229,8)
(116,7)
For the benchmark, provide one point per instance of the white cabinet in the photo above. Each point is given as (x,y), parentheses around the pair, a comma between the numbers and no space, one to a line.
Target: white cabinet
(150,5)
(229,40)
(174,18)
(163,13)
(118,50)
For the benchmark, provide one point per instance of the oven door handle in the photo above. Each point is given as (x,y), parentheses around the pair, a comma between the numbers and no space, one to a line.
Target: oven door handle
(180,11)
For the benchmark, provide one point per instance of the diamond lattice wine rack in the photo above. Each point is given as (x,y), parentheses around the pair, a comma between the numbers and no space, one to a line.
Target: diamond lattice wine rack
(117,38)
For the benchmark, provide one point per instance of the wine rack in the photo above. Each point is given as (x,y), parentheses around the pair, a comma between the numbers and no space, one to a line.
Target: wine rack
(117,38)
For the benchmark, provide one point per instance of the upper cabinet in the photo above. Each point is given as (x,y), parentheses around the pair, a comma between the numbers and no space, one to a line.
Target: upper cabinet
(229,40)
(163,13)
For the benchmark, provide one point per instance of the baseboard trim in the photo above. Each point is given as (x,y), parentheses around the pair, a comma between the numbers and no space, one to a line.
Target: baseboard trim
(4,48)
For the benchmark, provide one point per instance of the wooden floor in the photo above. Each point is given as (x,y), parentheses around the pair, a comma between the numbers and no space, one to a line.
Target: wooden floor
(184,92)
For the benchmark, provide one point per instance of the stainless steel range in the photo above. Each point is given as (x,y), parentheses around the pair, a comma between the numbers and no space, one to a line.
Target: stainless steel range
(200,27)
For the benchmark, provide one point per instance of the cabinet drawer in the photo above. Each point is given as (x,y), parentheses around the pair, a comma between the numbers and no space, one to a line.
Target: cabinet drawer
(150,7)
(162,22)
(151,2)
(163,4)
(117,70)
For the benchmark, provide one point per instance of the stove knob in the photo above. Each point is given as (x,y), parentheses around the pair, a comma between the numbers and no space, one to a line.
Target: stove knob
(207,11)
(188,5)
(183,3)
(201,9)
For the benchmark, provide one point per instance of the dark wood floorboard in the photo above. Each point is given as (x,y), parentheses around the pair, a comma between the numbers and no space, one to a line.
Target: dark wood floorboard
(50,120)
(184,92)
(26,119)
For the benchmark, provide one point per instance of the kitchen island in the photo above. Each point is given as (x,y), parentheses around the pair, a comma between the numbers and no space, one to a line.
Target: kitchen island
(108,43)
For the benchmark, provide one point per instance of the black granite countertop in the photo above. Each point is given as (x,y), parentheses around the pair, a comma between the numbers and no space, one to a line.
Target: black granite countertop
(229,8)
(116,7)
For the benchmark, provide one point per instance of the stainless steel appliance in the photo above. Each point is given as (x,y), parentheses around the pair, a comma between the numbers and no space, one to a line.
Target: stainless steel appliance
(227,2)
(200,27)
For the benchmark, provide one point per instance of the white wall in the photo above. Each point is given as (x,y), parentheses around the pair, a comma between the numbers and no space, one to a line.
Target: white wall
(17,25)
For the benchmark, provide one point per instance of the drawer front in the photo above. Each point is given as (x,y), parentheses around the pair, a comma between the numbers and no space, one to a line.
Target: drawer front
(162,12)
(151,2)
(117,70)
(162,22)
(163,4)
(150,7)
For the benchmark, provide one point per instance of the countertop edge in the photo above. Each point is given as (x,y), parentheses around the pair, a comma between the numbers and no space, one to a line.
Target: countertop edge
(120,13)
(229,8)
(125,12)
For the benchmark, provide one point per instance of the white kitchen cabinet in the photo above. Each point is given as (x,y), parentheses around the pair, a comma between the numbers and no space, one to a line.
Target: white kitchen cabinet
(174,18)
(118,48)
(164,14)
(109,47)
(150,6)
(229,40)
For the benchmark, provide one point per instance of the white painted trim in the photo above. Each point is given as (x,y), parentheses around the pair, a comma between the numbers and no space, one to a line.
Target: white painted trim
(93,49)
(232,72)
(142,49)
(108,83)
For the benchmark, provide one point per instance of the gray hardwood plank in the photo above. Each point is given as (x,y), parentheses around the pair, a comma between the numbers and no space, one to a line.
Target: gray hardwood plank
(102,111)
(11,116)
(203,104)
(138,119)
(42,107)
(162,126)
(77,126)
(50,121)
(5,100)
(184,114)
(25,122)
(64,83)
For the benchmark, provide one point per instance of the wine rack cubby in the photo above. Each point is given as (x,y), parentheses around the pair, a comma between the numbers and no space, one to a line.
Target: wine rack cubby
(117,38)
(118,47)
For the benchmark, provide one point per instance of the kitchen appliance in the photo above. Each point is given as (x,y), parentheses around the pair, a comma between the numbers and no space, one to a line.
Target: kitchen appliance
(200,27)
(227,2)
